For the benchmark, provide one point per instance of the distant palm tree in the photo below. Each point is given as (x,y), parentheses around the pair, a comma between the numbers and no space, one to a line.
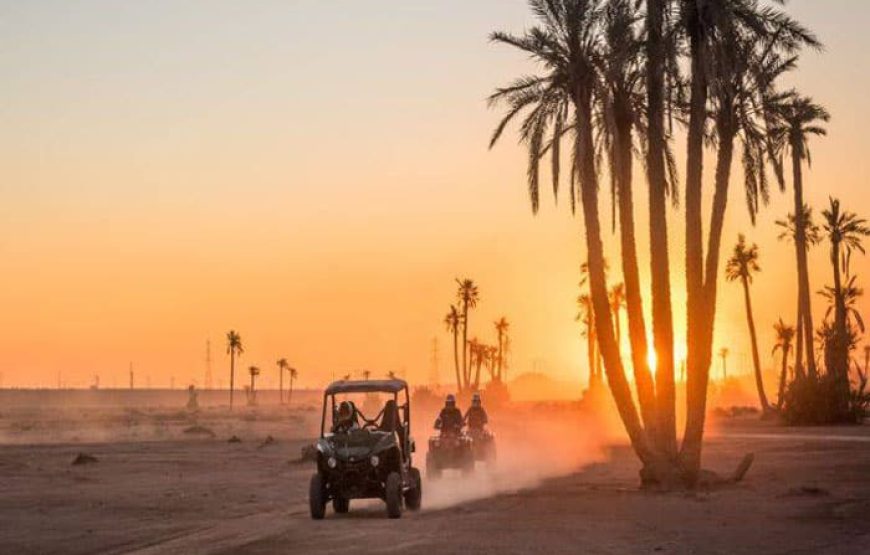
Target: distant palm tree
(477,356)
(723,354)
(254,372)
(501,328)
(617,302)
(293,375)
(366,374)
(795,120)
(282,366)
(844,230)
(741,266)
(234,349)
(784,336)
(468,296)
(452,320)
(587,318)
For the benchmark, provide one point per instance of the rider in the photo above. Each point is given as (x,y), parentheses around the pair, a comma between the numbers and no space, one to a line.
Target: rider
(345,418)
(476,418)
(450,418)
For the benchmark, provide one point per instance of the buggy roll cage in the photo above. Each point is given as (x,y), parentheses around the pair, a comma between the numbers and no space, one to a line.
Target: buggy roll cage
(394,386)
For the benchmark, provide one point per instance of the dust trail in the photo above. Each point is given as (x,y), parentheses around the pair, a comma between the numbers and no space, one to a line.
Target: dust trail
(533,445)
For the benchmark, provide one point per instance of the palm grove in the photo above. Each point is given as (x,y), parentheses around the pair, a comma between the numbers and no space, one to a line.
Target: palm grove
(615,80)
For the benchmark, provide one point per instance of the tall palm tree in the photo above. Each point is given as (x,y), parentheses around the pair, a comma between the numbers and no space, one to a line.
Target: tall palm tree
(234,349)
(844,231)
(723,354)
(794,120)
(254,372)
(501,329)
(294,374)
(741,266)
(560,102)
(784,337)
(468,296)
(720,37)
(452,320)
(282,366)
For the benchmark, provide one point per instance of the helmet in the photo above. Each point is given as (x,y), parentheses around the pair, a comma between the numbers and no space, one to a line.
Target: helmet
(451,400)
(345,411)
(475,399)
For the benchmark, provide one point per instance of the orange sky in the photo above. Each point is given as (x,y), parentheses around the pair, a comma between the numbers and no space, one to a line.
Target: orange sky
(315,175)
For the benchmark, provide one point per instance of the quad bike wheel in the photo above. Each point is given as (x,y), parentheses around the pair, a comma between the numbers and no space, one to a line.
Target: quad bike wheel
(341,505)
(393,495)
(414,496)
(317,497)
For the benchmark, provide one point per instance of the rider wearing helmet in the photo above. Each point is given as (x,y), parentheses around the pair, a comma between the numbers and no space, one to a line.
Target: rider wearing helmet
(345,418)
(450,418)
(476,417)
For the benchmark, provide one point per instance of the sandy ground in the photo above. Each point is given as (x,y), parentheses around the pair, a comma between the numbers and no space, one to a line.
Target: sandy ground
(560,487)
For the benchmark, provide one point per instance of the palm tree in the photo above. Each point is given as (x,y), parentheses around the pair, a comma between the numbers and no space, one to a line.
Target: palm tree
(784,336)
(252,397)
(366,374)
(452,321)
(282,365)
(723,354)
(721,37)
(617,302)
(585,316)
(293,375)
(234,349)
(795,120)
(741,266)
(501,329)
(844,230)
(468,296)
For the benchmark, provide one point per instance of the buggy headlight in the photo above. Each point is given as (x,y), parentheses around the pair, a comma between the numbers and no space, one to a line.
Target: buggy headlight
(331,462)
(375,460)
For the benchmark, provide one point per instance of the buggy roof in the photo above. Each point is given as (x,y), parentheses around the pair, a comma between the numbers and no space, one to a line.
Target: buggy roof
(366,386)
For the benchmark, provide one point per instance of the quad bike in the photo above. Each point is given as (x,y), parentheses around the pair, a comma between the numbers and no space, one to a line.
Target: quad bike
(483,445)
(373,460)
(451,449)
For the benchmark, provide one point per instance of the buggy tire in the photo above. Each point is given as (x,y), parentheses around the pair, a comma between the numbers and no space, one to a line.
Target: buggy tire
(414,495)
(341,505)
(393,495)
(317,497)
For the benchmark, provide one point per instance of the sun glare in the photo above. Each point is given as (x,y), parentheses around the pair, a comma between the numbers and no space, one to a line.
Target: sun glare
(652,360)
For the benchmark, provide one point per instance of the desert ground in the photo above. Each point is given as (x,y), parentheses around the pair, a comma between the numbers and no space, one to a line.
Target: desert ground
(169,481)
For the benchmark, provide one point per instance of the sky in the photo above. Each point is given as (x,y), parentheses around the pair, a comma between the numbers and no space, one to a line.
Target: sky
(315,175)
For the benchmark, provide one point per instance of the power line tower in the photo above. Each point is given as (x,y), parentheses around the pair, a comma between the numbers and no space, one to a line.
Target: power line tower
(208,377)
(433,367)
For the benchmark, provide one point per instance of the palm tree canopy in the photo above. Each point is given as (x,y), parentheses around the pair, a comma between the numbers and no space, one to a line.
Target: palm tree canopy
(812,231)
(452,319)
(294,373)
(844,229)
(743,262)
(254,371)
(851,295)
(234,342)
(467,293)
(794,119)
(282,363)
(784,335)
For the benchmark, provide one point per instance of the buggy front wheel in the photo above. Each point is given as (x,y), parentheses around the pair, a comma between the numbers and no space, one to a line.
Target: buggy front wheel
(393,495)
(317,497)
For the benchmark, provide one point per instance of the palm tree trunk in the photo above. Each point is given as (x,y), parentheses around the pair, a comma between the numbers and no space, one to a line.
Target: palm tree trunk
(631,275)
(456,359)
(799,348)
(663,327)
(280,385)
(500,351)
(290,391)
(466,373)
(698,371)
(585,168)
(232,374)
(759,382)
(782,378)
(801,248)
(590,350)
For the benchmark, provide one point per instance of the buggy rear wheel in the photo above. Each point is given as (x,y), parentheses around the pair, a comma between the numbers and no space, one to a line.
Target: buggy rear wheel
(317,497)
(393,495)
(414,496)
